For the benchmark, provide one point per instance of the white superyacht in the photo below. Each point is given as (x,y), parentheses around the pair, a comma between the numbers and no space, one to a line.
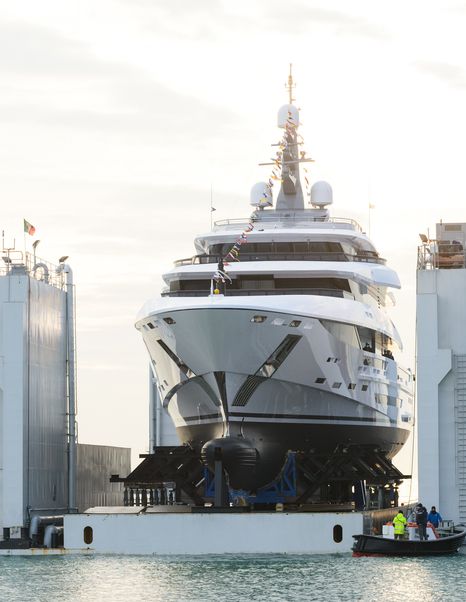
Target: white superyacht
(274,336)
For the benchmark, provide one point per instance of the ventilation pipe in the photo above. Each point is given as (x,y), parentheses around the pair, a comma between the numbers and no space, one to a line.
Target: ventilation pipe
(52,535)
(71,373)
(41,266)
(155,412)
(45,521)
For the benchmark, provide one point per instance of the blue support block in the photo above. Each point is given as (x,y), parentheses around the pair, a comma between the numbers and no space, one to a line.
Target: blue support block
(276,492)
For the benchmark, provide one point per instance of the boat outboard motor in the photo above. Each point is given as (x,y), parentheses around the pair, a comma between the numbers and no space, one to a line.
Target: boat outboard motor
(239,457)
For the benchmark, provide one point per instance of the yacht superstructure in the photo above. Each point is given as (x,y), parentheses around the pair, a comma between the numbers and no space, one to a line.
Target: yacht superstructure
(274,336)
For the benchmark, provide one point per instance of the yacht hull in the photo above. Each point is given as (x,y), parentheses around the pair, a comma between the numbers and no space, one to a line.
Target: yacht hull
(282,383)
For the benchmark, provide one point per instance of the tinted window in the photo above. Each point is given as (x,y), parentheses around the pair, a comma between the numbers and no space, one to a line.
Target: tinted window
(300,247)
(284,247)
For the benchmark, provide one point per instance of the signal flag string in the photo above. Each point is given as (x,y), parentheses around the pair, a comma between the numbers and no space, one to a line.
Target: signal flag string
(275,175)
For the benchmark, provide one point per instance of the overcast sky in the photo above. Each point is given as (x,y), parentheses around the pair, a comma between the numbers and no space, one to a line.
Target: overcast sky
(116,117)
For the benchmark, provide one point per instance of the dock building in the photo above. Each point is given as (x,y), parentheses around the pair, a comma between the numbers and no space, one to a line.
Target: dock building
(43,470)
(441,370)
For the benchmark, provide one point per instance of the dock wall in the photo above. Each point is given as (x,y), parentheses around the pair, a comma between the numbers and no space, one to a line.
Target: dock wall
(441,390)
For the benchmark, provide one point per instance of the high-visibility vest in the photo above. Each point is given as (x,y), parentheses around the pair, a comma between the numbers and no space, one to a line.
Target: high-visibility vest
(399,523)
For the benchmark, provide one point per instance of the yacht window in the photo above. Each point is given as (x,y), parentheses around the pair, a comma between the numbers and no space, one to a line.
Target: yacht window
(151,326)
(344,332)
(258,319)
(300,247)
(279,355)
(284,247)
(367,337)
(189,285)
(325,247)
(248,247)
(364,387)
(336,385)
(295,323)
(352,386)
(320,380)
(257,282)
(322,283)
(215,249)
(264,247)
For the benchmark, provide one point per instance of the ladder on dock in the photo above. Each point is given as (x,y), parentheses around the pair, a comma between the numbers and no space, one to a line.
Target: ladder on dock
(460,428)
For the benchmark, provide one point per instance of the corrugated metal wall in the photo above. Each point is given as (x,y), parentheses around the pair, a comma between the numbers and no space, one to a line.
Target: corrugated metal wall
(46,390)
(95,465)
(33,439)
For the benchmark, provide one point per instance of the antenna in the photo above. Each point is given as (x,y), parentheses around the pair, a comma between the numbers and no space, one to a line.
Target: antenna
(290,86)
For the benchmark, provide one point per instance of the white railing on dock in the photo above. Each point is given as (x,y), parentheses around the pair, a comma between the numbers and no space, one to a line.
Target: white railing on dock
(18,262)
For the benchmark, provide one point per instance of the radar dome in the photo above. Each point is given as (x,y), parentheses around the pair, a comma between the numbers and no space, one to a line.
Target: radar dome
(288,114)
(261,195)
(321,194)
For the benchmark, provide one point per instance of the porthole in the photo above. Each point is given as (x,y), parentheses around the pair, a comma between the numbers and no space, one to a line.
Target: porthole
(88,535)
(337,533)
(258,319)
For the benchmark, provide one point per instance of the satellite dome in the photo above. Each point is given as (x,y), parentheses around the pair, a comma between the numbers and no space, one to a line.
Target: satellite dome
(261,195)
(288,114)
(321,194)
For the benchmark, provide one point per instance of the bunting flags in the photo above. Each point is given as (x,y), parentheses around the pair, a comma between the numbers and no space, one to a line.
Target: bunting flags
(234,252)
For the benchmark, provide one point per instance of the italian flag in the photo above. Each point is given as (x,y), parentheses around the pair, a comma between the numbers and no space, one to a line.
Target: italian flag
(29,228)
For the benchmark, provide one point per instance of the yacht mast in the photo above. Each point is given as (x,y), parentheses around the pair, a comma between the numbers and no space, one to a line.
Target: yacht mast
(291,193)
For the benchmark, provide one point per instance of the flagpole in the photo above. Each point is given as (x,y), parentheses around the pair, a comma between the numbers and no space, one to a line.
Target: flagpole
(211,207)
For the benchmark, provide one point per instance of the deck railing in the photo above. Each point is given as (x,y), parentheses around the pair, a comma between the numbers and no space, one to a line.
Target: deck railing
(289,221)
(237,292)
(432,256)
(206,259)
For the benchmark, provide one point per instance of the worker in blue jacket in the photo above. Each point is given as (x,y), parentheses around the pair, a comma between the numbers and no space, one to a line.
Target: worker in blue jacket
(434,517)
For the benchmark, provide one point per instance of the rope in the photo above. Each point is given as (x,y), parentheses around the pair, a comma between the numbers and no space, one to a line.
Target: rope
(220,274)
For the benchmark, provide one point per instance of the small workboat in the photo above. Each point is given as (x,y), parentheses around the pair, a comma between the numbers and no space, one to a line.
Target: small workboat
(376,545)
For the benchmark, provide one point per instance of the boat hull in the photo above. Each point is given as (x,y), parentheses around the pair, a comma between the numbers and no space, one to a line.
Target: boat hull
(373,545)
(285,383)
(273,440)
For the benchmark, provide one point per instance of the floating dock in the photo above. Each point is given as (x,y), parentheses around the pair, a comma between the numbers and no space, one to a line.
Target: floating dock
(180,531)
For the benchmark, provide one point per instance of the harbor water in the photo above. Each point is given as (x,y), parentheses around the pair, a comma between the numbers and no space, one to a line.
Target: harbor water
(227,578)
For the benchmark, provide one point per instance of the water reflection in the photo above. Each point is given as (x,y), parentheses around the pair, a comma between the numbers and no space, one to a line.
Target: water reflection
(232,578)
